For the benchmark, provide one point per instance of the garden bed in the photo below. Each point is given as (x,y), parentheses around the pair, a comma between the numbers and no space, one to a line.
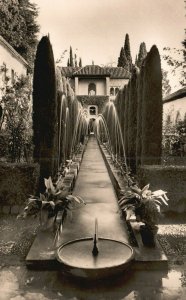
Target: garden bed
(17,181)
(168,178)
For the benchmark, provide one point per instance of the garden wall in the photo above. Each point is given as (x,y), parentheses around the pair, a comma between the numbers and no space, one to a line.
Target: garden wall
(17,182)
(168,178)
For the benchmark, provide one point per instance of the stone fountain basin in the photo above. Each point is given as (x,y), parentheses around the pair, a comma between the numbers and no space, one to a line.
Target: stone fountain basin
(77,259)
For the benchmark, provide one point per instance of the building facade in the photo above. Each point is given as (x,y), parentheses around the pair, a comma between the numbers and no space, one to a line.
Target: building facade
(95,85)
(174,106)
(12,64)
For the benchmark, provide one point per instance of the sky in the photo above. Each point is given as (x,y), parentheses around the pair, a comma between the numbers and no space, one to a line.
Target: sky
(96,29)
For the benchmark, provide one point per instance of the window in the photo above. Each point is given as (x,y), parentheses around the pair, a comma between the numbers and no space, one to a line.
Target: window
(92,110)
(112,91)
(91,89)
(116,91)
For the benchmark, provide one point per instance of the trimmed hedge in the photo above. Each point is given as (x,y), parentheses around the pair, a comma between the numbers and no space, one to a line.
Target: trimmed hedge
(17,181)
(44,110)
(168,178)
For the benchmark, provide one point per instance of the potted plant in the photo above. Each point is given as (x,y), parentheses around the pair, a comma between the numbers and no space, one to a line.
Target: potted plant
(145,205)
(52,207)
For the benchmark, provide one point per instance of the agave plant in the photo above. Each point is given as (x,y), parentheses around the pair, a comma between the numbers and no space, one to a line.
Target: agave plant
(54,202)
(143,203)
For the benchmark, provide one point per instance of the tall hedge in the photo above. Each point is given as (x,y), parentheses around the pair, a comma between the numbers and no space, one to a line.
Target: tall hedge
(44,109)
(132,119)
(139,117)
(126,119)
(152,109)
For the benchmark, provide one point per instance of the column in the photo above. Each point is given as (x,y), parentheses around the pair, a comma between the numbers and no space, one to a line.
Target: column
(107,86)
(76,85)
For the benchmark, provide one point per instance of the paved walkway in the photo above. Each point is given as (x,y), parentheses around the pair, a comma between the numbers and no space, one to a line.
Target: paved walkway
(94,186)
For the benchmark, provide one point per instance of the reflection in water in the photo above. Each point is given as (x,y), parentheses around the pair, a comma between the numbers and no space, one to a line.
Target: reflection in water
(140,285)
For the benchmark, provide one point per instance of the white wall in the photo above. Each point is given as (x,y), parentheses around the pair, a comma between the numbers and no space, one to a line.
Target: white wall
(173,107)
(12,62)
(100,86)
(118,82)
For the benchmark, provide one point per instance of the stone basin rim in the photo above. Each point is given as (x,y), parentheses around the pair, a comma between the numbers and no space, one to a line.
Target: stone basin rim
(99,268)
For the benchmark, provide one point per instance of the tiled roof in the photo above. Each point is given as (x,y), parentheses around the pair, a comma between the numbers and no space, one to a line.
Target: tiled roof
(177,95)
(118,72)
(68,71)
(95,70)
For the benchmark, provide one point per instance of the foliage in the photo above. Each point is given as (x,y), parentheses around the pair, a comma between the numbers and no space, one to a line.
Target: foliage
(152,109)
(44,109)
(174,135)
(144,203)
(16,118)
(139,116)
(175,60)
(122,59)
(50,203)
(71,61)
(126,100)
(141,55)
(80,62)
(166,88)
(132,118)
(19,27)
(127,51)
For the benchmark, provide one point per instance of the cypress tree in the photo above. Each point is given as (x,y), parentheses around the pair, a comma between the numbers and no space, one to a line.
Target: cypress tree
(80,63)
(132,119)
(139,116)
(44,109)
(122,60)
(127,51)
(68,63)
(75,60)
(152,109)
(126,119)
(71,58)
(142,54)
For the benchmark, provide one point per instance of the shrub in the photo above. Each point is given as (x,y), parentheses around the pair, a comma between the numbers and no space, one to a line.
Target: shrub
(152,109)
(44,109)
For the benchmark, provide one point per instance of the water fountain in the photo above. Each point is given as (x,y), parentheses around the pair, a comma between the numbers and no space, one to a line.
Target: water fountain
(94,257)
(97,257)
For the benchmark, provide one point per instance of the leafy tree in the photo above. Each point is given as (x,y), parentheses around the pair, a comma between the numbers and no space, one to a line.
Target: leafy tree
(175,59)
(16,116)
(142,54)
(127,51)
(166,88)
(152,109)
(44,109)
(19,27)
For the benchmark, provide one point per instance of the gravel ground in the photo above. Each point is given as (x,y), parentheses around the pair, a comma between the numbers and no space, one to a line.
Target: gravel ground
(172,236)
(16,237)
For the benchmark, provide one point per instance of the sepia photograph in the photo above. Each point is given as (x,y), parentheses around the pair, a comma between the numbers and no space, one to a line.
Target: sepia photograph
(92,150)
